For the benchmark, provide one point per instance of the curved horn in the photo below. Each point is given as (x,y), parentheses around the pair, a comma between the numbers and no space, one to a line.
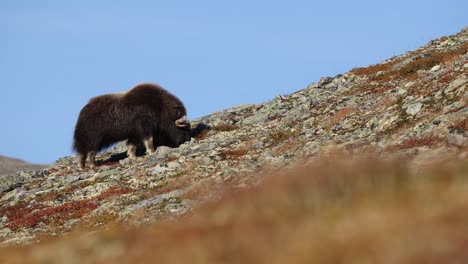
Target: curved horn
(182,122)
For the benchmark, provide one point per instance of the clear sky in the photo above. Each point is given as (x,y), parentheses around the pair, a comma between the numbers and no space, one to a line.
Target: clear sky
(55,54)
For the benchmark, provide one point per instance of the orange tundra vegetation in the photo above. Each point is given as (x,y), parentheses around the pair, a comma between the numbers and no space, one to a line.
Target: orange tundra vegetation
(23,215)
(385,72)
(332,211)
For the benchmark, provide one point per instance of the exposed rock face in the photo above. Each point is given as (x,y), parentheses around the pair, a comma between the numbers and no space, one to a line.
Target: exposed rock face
(412,106)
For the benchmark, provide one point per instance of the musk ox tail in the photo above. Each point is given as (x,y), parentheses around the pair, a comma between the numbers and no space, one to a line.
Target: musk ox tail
(78,147)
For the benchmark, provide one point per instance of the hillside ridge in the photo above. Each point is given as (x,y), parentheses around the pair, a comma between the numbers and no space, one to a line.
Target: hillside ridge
(411,107)
(10,165)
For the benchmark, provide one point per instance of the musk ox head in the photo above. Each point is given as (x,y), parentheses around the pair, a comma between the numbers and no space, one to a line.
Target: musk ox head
(176,133)
(146,115)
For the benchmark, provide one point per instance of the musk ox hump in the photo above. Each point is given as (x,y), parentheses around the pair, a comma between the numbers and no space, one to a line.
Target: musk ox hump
(107,97)
(146,93)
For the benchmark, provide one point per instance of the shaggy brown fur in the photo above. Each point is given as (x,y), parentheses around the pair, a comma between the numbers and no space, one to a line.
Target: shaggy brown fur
(145,112)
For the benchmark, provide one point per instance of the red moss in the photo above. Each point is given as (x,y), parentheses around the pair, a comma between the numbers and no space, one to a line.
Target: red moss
(342,113)
(225,128)
(30,217)
(112,163)
(18,211)
(373,69)
(26,216)
(51,196)
(461,126)
(202,135)
(445,79)
(113,191)
(277,136)
(169,159)
(52,170)
(456,110)
(415,142)
(409,71)
(233,154)
(426,90)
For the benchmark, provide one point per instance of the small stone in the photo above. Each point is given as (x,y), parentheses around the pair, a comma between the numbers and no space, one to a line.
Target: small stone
(106,174)
(435,68)
(457,140)
(457,83)
(453,106)
(402,91)
(4,232)
(413,109)
(259,118)
(324,81)
(116,177)
(162,151)
(173,165)
(165,167)
(438,95)
(242,186)
(159,169)
(39,193)
(313,86)
(386,122)
(124,162)
(206,161)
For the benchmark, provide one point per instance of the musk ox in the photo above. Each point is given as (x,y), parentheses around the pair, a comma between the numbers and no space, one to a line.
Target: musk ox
(144,114)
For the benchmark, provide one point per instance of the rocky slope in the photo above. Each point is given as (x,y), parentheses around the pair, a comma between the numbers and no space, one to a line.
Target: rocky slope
(11,165)
(413,107)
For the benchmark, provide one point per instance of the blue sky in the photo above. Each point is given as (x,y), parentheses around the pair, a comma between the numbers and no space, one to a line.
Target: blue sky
(55,55)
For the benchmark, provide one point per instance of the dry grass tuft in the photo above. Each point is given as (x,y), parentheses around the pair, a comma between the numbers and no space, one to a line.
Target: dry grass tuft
(113,191)
(277,136)
(415,142)
(374,69)
(233,154)
(202,135)
(225,128)
(341,114)
(176,183)
(101,219)
(461,126)
(457,109)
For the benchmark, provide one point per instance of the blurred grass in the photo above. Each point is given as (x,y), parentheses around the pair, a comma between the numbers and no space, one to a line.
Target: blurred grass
(332,211)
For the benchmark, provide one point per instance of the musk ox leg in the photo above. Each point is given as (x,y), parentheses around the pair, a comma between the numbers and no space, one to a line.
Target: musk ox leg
(149,145)
(82,159)
(89,155)
(131,152)
(92,158)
